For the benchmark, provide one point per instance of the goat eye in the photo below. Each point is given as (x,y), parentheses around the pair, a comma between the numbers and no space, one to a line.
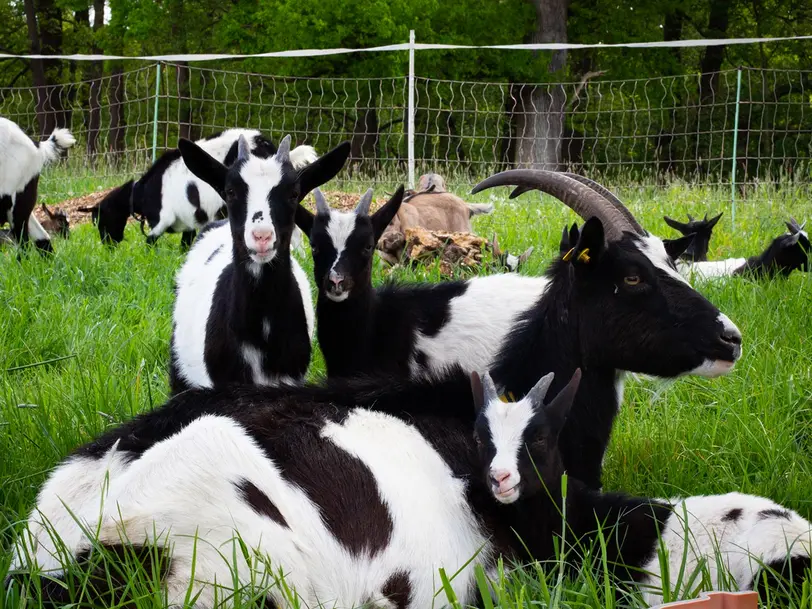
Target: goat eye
(230,193)
(368,249)
(631,280)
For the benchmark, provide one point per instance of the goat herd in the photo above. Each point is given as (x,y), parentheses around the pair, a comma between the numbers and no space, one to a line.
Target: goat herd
(409,457)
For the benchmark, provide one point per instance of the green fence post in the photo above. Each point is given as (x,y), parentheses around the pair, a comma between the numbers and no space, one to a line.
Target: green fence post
(735,147)
(155,113)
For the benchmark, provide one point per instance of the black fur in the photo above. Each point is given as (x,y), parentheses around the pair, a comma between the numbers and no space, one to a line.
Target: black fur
(701,230)
(785,254)
(259,501)
(398,589)
(733,515)
(21,210)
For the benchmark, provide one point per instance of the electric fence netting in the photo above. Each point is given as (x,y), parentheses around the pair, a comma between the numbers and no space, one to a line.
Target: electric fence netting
(735,130)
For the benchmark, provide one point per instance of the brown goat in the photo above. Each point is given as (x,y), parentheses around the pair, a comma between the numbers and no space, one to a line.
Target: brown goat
(56,222)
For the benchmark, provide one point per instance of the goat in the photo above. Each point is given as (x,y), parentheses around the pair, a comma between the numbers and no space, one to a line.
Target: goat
(321,481)
(785,254)
(518,446)
(21,161)
(243,309)
(432,208)
(170,198)
(505,261)
(56,222)
(613,304)
(701,230)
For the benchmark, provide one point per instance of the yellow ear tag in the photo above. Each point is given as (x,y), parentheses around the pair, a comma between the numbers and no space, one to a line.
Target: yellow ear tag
(507,398)
(584,256)
(566,257)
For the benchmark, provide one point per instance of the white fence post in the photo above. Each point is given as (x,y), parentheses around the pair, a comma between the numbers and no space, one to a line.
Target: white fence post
(410,122)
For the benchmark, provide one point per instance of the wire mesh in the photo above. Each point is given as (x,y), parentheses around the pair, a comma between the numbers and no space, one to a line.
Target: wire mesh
(645,131)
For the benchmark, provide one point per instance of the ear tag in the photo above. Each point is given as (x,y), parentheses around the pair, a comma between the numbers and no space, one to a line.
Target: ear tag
(507,398)
(566,257)
(615,288)
(584,256)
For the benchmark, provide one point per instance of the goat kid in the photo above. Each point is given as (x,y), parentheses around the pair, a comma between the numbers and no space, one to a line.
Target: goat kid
(701,230)
(243,309)
(171,198)
(614,304)
(21,161)
(518,445)
(321,481)
(56,222)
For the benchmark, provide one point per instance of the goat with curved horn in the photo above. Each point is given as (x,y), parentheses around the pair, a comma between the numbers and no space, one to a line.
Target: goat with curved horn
(582,199)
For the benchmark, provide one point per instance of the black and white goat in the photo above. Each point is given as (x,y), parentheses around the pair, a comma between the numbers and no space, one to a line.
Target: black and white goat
(615,303)
(702,230)
(522,464)
(170,198)
(243,308)
(357,492)
(786,253)
(21,161)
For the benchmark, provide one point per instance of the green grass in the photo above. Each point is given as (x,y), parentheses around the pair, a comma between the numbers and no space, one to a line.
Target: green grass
(84,344)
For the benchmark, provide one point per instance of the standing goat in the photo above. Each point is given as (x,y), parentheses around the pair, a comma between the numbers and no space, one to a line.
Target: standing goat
(170,198)
(519,449)
(240,484)
(21,161)
(615,303)
(243,309)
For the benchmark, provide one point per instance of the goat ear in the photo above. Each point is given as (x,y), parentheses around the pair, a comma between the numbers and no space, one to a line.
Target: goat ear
(525,255)
(590,247)
(304,220)
(47,211)
(477,391)
(712,222)
(495,246)
(677,247)
(559,408)
(489,393)
(203,165)
(381,218)
(678,226)
(564,244)
(324,168)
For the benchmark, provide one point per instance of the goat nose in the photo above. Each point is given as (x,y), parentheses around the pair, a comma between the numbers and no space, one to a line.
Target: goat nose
(262,235)
(335,279)
(733,337)
(498,476)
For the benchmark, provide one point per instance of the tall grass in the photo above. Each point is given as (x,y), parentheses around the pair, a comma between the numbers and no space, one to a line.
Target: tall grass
(84,345)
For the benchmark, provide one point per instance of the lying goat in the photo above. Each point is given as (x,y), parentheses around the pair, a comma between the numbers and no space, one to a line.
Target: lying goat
(523,466)
(701,230)
(56,222)
(431,208)
(170,198)
(243,308)
(615,303)
(21,161)
(357,493)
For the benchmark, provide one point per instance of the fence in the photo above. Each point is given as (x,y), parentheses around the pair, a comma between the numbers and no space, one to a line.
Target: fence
(744,126)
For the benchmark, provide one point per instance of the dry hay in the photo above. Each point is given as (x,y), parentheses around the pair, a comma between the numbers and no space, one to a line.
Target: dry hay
(454,250)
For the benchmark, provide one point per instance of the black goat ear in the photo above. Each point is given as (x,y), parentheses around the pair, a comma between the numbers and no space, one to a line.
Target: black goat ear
(381,218)
(203,165)
(564,244)
(304,220)
(678,226)
(324,168)
(559,407)
(676,247)
(590,246)
(477,391)
(712,222)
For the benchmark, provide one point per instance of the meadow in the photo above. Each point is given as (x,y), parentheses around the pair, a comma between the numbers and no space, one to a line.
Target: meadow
(84,339)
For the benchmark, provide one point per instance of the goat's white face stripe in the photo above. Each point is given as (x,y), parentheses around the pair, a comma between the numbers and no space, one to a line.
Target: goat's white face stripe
(654,250)
(260,177)
(340,227)
(507,423)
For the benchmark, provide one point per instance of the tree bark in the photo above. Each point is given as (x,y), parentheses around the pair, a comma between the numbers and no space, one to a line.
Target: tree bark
(540,119)
(49,19)
(664,147)
(365,135)
(712,59)
(95,73)
(118,124)
(37,66)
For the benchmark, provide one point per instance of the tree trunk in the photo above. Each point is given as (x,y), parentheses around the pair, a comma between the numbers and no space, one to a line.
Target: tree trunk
(184,101)
(713,57)
(365,134)
(49,19)
(118,124)
(664,148)
(37,67)
(540,119)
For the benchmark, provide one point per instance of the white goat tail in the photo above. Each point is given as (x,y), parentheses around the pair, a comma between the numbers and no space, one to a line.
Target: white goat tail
(50,149)
(302,156)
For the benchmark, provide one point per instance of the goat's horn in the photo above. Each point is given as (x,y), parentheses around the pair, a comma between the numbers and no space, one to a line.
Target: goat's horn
(243,149)
(609,196)
(321,203)
(583,200)
(488,389)
(364,203)
(283,152)
(537,394)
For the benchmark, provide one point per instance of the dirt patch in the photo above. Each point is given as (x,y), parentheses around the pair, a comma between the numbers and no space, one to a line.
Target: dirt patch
(71,207)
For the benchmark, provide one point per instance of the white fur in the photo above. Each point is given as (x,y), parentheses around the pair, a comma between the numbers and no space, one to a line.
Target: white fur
(36,230)
(744,543)
(340,227)
(654,250)
(196,282)
(711,269)
(479,321)
(182,492)
(21,160)
(506,424)
(714,368)
(261,176)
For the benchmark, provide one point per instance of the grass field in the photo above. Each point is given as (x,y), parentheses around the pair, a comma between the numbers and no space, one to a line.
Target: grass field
(84,344)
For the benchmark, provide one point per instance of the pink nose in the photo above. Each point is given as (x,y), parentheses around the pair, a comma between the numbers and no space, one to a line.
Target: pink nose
(498,476)
(335,279)
(263,237)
